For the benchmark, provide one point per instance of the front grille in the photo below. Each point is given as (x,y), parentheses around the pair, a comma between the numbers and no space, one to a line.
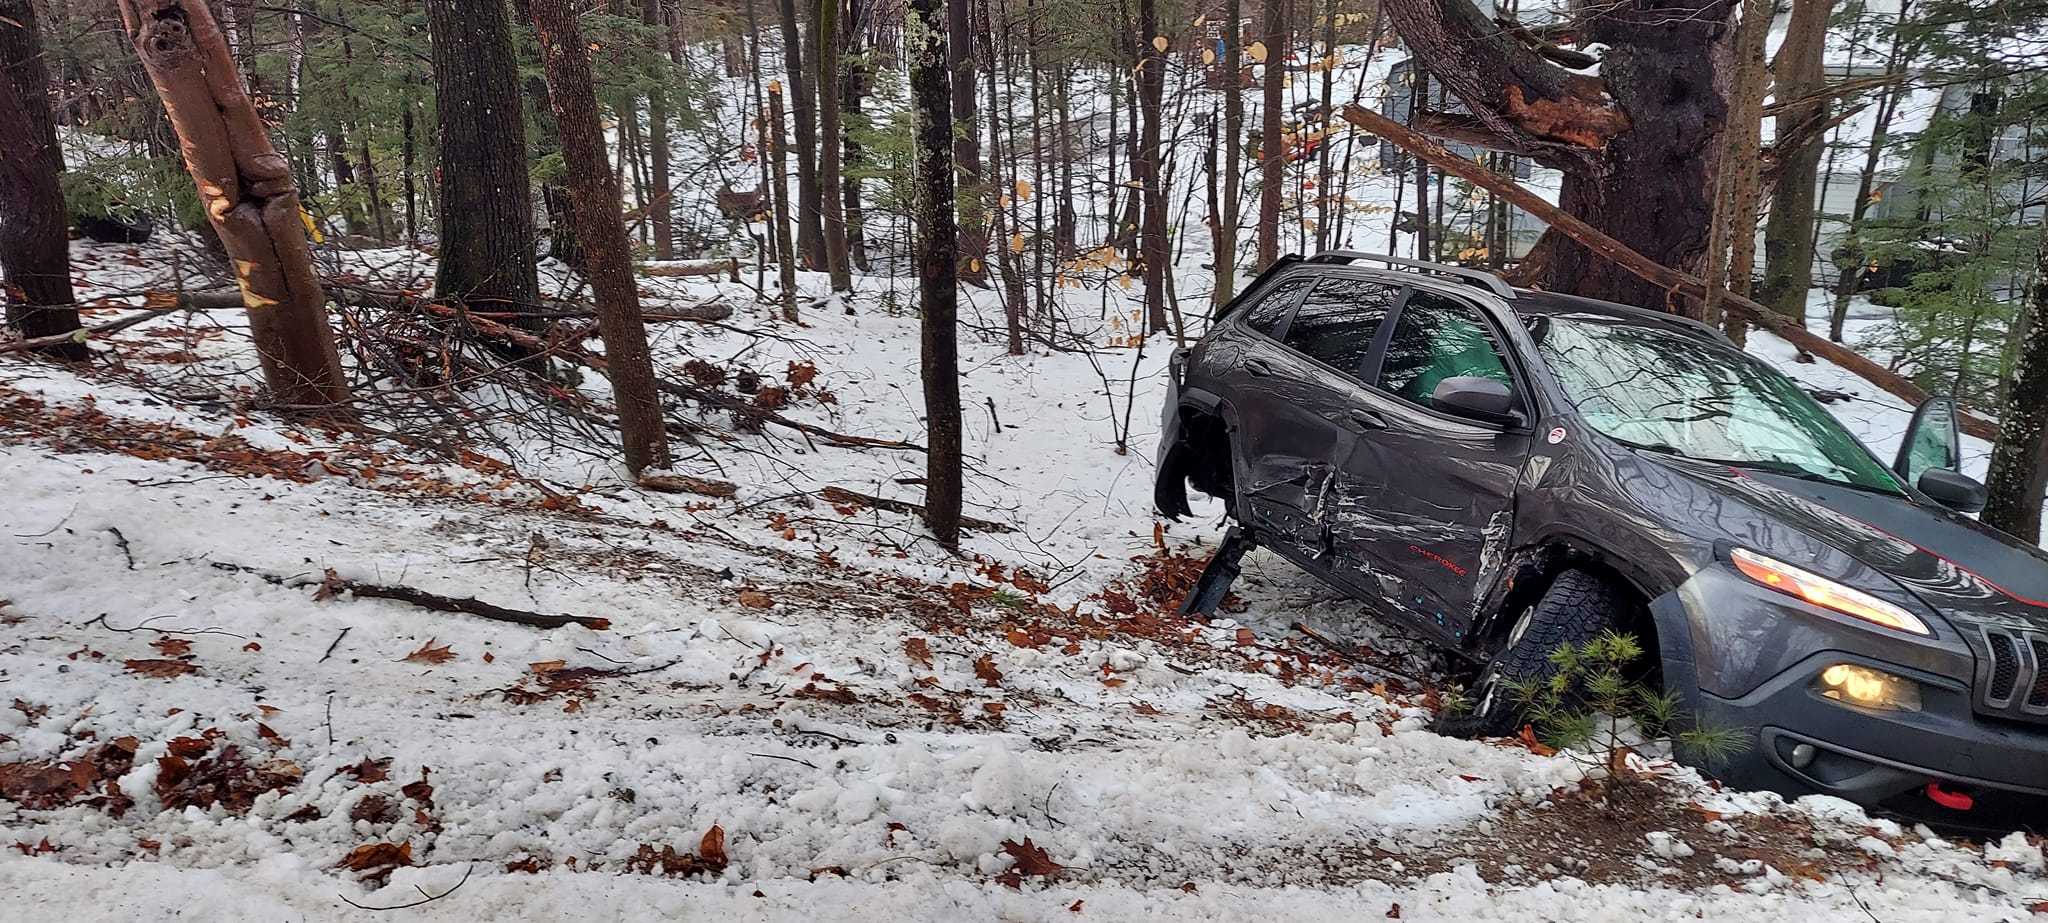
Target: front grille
(2038,698)
(2012,675)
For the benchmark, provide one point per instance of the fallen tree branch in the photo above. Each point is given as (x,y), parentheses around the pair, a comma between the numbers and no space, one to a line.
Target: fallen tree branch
(1647,269)
(728,267)
(844,497)
(87,333)
(332,584)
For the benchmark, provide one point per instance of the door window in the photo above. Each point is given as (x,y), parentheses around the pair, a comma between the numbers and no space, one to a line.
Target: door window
(1267,315)
(1337,322)
(1438,338)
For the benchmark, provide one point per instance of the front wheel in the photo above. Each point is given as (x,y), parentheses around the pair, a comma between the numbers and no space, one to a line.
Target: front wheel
(1578,606)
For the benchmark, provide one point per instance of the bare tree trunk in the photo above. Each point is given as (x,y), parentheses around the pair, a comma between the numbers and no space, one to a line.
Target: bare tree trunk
(246,188)
(659,207)
(1329,66)
(35,256)
(1151,86)
(778,161)
(1731,242)
(974,188)
(594,193)
(1272,150)
(1232,64)
(2019,459)
(486,214)
(1850,258)
(853,86)
(937,284)
(1790,230)
(803,110)
(825,42)
(1006,255)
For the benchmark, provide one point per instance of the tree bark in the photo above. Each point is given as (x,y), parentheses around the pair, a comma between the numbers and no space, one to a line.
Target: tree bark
(937,283)
(825,39)
(778,161)
(487,233)
(659,205)
(1272,152)
(1151,86)
(802,100)
(2019,459)
(973,186)
(1789,231)
(246,188)
(1232,65)
(1638,144)
(1731,248)
(35,254)
(853,87)
(594,194)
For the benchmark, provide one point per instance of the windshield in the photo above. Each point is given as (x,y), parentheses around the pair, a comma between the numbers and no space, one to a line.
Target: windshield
(1670,392)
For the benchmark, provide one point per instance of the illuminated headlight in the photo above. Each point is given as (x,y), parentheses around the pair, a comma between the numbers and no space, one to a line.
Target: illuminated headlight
(1825,593)
(1859,685)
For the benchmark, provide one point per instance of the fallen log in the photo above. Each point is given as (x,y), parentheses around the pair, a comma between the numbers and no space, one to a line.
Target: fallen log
(687,484)
(729,267)
(1647,269)
(842,497)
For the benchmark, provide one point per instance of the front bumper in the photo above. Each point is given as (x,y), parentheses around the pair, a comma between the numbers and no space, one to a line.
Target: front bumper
(1745,659)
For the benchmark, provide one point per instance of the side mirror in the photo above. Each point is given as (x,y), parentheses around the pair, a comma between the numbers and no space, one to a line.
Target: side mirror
(1931,441)
(1953,489)
(1477,398)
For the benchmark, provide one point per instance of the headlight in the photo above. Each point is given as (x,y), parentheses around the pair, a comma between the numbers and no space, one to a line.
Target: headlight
(1860,685)
(1825,593)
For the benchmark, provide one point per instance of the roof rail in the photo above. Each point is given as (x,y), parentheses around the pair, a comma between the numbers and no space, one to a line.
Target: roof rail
(1492,282)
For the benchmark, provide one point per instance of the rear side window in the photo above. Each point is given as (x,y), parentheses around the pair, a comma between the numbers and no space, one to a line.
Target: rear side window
(1438,338)
(1337,322)
(1265,317)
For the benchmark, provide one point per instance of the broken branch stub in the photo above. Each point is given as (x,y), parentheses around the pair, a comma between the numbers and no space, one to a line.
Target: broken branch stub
(1643,267)
(246,188)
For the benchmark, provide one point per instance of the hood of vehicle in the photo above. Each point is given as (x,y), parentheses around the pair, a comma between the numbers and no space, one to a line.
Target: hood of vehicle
(1963,569)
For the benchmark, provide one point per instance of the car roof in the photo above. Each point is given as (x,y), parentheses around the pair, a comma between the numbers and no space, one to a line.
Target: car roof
(1530,303)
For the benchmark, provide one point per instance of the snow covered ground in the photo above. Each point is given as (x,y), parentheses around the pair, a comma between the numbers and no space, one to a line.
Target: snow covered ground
(797,708)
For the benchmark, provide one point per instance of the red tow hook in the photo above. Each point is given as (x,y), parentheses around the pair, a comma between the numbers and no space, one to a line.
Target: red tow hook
(1954,801)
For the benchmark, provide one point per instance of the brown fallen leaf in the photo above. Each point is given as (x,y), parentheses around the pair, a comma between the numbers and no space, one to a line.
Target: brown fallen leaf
(547,666)
(429,654)
(189,747)
(267,733)
(755,599)
(252,647)
(1245,637)
(161,669)
(421,791)
(985,668)
(378,860)
(1027,858)
(712,846)
(919,651)
(369,770)
(172,647)
(1528,739)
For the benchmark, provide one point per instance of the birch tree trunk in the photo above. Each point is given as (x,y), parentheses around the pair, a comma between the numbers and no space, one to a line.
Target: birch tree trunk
(246,188)
(594,197)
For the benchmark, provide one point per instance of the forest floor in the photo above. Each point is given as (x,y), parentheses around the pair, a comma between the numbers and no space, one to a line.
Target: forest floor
(795,707)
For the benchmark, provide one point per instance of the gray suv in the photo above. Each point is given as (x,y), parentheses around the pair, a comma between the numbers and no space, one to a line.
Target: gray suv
(1506,471)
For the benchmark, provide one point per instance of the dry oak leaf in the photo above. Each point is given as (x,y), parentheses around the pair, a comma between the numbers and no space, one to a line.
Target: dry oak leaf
(755,599)
(918,650)
(1027,859)
(161,669)
(429,654)
(985,668)
(377,860)
(1528,739)
(370,770)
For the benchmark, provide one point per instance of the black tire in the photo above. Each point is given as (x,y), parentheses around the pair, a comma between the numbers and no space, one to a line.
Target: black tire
(1578,606)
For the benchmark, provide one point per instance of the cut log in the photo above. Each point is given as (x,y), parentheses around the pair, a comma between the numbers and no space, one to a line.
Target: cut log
(1671,280)
(729,267)
(686,484)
